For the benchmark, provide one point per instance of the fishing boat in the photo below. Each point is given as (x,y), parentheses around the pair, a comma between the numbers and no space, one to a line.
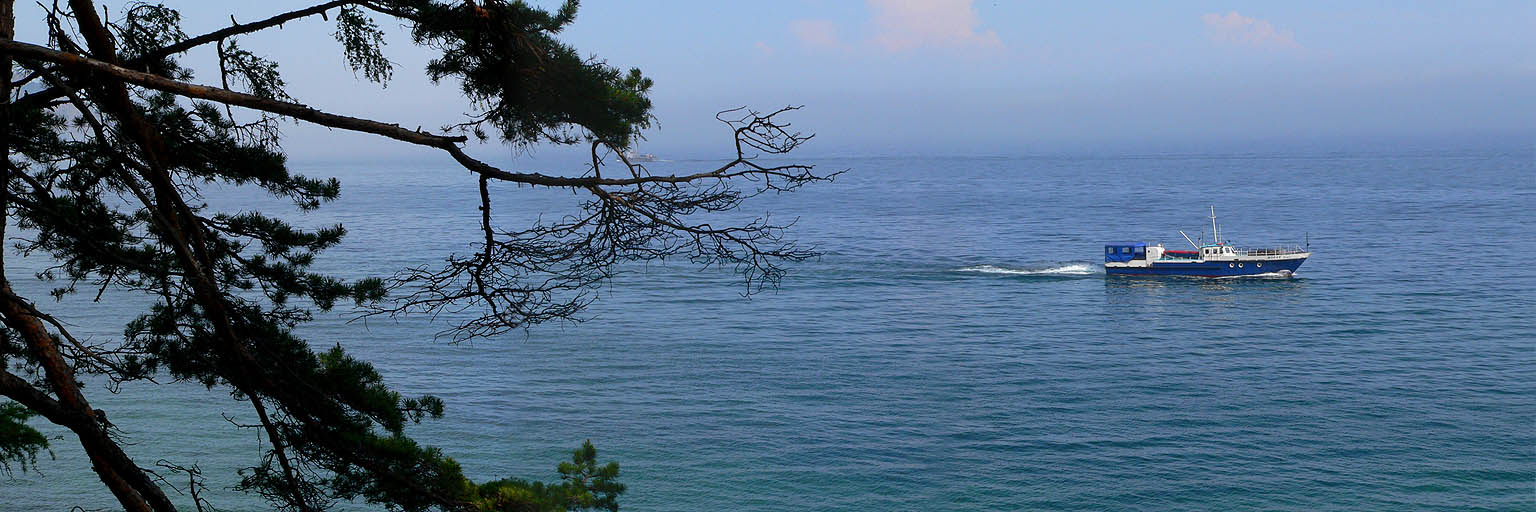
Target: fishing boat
(640,157)
(1215,259)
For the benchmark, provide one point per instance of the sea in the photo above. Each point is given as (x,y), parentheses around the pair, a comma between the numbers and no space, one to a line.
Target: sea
(956,346)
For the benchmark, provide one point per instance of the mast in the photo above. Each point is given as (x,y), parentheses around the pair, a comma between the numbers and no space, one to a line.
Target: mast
(1215,231)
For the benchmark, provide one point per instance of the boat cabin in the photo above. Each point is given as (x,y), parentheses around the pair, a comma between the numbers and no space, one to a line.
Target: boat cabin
(1123,252)
(1217,252)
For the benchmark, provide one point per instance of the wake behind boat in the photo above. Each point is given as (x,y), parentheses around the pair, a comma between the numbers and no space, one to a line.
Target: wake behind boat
(1217,259)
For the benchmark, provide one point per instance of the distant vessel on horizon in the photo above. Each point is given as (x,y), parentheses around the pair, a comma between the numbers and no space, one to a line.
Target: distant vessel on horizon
(1216,259)
(639,157)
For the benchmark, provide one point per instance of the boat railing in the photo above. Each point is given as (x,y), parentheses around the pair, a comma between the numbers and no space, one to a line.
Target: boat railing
(1272,251)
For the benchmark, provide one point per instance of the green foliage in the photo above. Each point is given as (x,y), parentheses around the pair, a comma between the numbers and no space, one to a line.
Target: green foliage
(531,86)
(362,43)
(148,27)
(19,443)
(584,485)
(251,72)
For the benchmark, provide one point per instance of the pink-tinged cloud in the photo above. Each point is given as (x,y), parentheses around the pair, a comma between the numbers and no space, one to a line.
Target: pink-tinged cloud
(816,33)
(1236,29)
(903,25)
(763,48)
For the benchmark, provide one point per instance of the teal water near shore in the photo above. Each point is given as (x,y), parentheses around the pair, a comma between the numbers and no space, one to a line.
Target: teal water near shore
(959,348)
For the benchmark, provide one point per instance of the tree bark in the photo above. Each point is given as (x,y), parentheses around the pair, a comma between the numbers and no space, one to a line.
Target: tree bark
(7,34)
(72,411)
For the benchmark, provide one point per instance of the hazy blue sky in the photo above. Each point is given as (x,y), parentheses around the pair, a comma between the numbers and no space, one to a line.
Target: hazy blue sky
(958,77)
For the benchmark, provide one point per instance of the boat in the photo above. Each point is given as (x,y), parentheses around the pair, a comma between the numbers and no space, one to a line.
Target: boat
(1215,259)
(640,157)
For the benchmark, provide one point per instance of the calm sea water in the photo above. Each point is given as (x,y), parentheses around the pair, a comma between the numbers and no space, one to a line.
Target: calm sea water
(958,347)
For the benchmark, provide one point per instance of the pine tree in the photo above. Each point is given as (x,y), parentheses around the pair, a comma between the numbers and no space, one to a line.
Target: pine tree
(109,136)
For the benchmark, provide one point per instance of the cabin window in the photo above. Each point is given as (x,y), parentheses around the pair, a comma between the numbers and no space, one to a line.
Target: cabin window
(1125,250)
(1109,250)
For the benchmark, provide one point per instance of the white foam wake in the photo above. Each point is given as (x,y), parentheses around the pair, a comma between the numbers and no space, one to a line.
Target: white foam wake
(1073,269)
(1283,274)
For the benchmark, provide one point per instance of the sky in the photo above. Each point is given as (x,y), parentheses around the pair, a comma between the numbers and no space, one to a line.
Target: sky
(957,77)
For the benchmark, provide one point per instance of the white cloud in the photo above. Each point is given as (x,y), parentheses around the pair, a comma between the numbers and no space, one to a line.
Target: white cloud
(816,33)
(903,25)
(1236,29)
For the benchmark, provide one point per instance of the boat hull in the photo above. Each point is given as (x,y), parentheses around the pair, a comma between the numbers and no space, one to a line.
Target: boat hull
(1210,268)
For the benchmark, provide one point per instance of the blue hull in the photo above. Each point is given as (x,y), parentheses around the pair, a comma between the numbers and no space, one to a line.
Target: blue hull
(1208,269)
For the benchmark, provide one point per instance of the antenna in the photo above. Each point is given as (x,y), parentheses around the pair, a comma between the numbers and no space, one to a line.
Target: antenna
(1215,231)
